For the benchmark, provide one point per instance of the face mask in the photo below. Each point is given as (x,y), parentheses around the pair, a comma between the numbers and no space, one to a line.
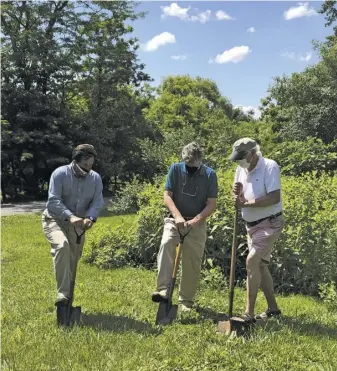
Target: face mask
(244,164)
(191,169)
(82,168)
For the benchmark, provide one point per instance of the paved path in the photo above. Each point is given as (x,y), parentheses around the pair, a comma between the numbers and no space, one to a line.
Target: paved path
(29,207)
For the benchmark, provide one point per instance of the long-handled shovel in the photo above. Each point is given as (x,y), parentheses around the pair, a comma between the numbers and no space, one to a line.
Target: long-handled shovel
(235,326)
(167,312)
(74,313)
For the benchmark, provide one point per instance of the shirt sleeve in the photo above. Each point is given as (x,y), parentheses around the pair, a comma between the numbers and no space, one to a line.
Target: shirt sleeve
(237,175)
(55,201)
(212,190)
(97,202)
(272,178)
(170,180)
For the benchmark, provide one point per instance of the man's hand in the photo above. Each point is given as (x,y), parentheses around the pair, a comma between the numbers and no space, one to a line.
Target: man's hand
(87,224)
(191,223)
(75,221)
(239,201)
(237,188)
(180,221)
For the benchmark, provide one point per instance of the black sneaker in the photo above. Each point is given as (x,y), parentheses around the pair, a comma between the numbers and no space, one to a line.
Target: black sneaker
(159,297)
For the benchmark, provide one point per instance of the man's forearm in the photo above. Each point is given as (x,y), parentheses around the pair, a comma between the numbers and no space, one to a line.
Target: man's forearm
(268,200)
(169,203)
(206,212)
(56,206)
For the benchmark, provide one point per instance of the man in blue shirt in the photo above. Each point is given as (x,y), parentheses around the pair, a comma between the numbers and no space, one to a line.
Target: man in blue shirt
(74,202)
(190,195)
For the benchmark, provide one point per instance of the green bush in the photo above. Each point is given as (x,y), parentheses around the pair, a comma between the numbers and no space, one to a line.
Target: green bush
(127,198)
(304,257)
(298,157)
(328,293)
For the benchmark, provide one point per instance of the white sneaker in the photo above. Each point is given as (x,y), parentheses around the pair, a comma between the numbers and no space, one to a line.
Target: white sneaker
(186,308)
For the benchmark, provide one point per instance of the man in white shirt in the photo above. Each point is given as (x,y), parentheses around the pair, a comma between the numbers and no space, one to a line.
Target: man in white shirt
(257,191)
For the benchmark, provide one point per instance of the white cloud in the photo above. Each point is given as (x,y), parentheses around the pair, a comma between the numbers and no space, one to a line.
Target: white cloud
(174,10)
(159,40)
(201,17)
(247,109)
(223,16)
(179,57)
(251,29)
(235,55)
(297,56)
(302,10)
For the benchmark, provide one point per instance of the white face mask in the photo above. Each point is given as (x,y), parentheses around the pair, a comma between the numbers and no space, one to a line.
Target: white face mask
(244,164)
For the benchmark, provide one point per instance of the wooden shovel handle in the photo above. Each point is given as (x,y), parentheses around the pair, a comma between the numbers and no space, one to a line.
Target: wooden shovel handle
(233,263)
(177,260)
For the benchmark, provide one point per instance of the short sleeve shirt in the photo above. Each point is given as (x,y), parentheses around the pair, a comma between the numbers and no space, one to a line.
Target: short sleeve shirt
(190,192)
(265,178)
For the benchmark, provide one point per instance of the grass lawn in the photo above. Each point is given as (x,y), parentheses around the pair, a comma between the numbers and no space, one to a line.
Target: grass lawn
(118,331)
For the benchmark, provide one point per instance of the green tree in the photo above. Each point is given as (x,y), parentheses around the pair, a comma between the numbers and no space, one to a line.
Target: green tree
(305,104)
(329,8)
(68,72)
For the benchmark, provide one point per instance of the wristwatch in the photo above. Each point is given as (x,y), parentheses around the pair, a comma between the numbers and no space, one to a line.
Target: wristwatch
(91,218)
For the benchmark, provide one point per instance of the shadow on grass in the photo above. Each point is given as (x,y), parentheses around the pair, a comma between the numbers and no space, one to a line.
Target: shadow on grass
(118,324)
(210,314)
(301,326)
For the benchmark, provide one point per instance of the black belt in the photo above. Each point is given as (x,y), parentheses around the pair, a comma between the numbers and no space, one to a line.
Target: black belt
(251,224)
(185,217)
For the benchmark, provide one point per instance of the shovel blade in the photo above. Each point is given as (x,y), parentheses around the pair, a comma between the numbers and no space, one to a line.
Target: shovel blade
(166,314)
(75,316)
(235,326)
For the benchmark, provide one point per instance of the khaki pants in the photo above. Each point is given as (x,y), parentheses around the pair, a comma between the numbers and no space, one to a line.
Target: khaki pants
(65,252)
(192,254)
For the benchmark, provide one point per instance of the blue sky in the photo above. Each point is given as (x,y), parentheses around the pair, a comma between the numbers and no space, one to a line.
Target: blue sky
(215,40)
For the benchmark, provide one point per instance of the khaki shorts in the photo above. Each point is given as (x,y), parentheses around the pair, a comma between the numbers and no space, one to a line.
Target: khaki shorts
(261,237)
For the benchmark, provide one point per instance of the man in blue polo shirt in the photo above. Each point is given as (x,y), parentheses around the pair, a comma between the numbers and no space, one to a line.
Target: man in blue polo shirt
(74,202)
(190,195)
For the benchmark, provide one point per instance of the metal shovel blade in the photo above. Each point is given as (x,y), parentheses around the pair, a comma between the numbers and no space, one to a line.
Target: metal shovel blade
(166,314)
(75,316)
(235,326)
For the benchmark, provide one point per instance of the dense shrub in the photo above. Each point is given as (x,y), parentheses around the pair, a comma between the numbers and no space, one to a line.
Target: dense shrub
(305,256)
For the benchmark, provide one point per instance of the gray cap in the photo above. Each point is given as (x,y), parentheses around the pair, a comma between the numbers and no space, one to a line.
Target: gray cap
(241,148)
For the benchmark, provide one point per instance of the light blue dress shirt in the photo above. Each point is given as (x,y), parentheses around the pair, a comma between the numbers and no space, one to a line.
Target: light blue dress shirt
(72,195)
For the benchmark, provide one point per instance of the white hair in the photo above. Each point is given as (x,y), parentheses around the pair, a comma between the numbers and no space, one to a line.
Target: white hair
(257,150)
(192,152)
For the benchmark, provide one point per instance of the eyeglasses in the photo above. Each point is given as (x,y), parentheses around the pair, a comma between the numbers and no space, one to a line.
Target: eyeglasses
(186,193)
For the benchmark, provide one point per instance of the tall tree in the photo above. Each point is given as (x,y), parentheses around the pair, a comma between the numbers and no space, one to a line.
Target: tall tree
(329,8)
(65,65)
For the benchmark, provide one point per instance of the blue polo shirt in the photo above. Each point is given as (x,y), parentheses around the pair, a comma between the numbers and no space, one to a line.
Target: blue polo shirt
(190,192)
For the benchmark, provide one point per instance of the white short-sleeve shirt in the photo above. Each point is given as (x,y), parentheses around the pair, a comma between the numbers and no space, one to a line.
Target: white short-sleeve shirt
(263,179)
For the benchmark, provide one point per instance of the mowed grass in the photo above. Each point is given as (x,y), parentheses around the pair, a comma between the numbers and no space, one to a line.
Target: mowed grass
(118,331)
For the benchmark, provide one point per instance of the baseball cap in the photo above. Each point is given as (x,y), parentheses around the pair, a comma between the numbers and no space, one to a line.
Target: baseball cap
(241,147)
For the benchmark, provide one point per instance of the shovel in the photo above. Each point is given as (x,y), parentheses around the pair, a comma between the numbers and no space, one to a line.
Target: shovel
(235,326)
(167,312)
(74,313)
